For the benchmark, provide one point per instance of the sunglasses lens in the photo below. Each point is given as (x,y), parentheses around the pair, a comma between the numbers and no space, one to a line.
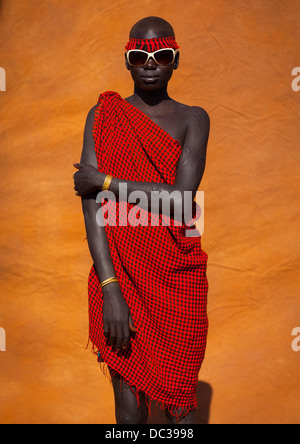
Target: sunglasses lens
(164,57)
(137,58)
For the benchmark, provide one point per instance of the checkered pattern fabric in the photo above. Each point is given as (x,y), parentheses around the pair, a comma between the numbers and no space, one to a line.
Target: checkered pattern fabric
(151,45)
(162,272)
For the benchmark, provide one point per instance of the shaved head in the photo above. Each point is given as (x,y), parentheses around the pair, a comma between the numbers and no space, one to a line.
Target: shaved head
(151,27)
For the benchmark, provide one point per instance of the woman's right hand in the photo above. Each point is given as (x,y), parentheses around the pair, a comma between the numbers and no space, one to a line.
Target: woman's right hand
(117,320)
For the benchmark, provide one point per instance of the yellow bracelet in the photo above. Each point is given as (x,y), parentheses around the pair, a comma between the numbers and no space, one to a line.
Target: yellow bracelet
(107,182)
(108,281)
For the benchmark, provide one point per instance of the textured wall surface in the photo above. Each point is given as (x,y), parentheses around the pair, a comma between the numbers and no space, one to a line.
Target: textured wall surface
(236,62)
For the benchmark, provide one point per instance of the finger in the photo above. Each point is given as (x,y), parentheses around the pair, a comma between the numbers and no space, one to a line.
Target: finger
(119,338)
(106,330)
(112,336)
(126,336)
(78,165)
(131,325)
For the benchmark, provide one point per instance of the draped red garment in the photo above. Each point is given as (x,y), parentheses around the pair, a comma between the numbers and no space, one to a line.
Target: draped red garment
(161,271)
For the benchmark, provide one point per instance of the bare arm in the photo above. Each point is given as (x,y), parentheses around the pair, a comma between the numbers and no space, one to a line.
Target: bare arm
(116,315)
(96,235)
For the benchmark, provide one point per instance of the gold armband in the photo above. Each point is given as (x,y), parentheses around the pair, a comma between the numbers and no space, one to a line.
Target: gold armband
(107,182)
(108,281)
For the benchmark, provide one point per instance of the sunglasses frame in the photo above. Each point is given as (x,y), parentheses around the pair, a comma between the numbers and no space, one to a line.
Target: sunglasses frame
(152,54)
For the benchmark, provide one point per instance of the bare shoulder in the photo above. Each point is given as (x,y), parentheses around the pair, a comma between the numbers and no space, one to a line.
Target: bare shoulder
(200,114)
(197,124)
(91,114)
(88,152)
(199,121)
(194,114)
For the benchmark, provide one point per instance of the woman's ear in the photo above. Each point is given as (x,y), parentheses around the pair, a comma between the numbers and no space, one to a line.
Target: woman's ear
(176,63)
(126,62)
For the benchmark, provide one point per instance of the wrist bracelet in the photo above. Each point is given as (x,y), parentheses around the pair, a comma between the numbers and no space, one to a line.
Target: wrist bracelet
(108,281)
(107,182)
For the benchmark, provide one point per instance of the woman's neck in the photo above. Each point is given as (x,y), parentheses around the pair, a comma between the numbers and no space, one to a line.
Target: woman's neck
(151,98)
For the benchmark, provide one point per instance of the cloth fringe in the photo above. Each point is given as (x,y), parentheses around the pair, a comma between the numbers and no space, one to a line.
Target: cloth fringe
(171,408)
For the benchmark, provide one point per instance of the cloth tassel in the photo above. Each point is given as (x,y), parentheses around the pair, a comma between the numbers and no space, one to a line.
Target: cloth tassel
(149,400)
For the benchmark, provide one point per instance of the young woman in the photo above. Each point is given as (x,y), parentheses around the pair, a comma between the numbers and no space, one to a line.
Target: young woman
(148,285)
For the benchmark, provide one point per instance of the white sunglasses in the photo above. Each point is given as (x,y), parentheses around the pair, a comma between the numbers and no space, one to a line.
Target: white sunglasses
(140,58)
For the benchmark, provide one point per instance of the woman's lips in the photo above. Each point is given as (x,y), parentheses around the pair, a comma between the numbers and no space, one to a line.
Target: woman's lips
(150,78)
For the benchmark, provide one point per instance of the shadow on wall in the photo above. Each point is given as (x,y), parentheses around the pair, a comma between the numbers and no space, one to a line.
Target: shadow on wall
(204,397)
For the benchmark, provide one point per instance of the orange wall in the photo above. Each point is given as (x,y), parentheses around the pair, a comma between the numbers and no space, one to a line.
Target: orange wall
(236,62)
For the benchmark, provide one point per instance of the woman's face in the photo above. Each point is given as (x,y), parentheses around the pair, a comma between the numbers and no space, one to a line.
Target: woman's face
(152,77)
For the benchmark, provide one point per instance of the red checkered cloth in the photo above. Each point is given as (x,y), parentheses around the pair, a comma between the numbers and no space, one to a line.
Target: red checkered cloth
(161,271)
(152,45)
